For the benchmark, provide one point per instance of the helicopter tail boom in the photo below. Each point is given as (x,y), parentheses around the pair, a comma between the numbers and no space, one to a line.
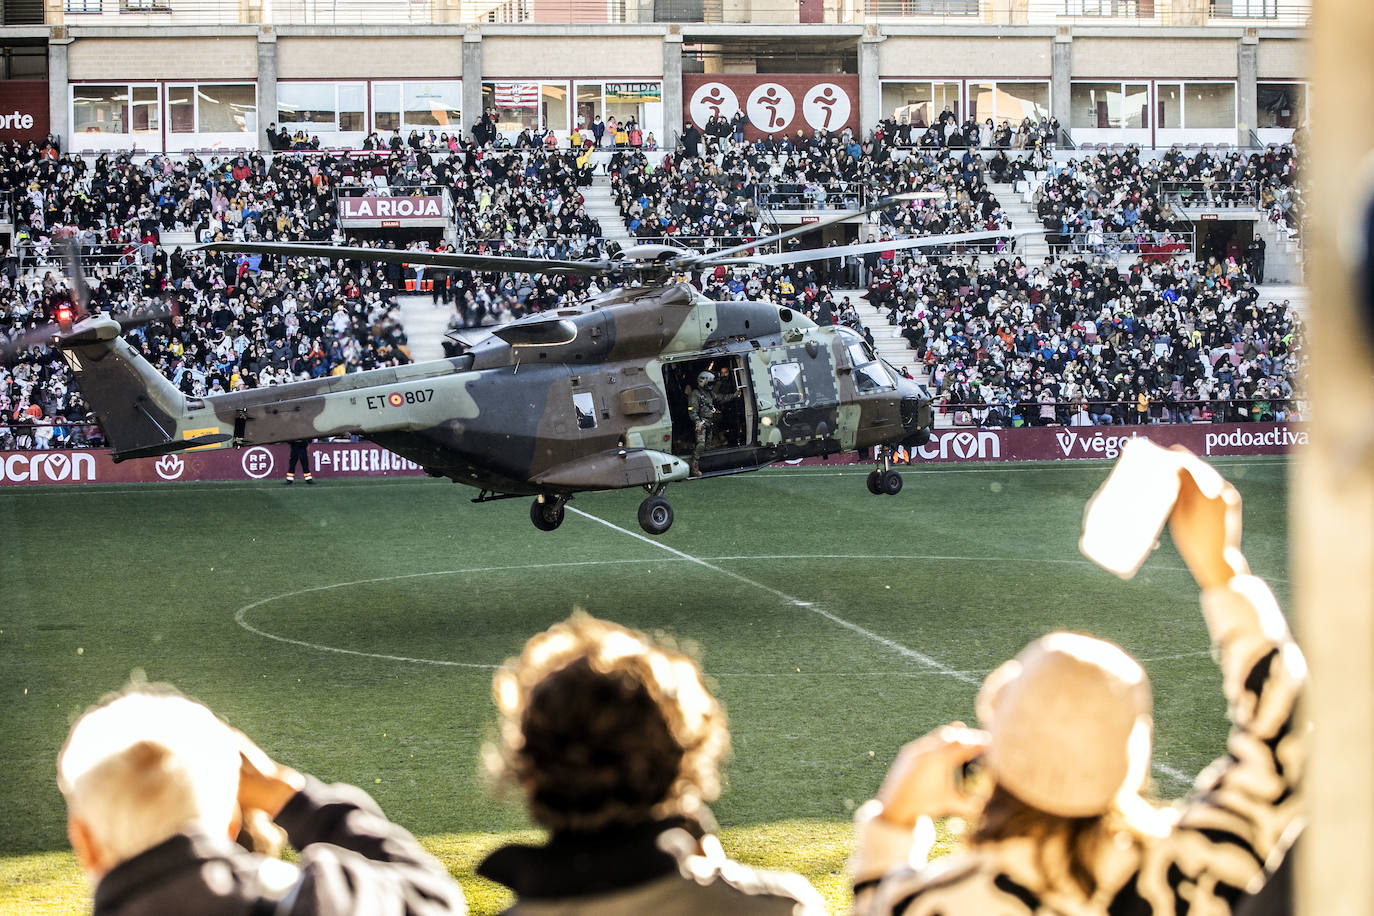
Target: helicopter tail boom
(141,412)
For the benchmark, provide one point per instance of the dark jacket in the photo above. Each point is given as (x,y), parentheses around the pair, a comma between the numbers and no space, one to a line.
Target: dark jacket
(352,860)
(657,868)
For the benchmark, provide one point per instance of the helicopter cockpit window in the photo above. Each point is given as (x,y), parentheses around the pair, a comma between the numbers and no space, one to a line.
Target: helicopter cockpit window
(872,377)
(869,374)
(787,388)
(585,407)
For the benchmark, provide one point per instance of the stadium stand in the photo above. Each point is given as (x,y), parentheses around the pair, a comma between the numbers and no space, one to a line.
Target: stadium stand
(1124,327)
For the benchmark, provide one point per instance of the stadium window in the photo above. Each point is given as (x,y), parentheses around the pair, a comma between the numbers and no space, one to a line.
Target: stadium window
(918,103)
(1110,8)
(100,109)
(82,7)
(517,104)
(307,105)
(923,8)
(437,103)
(226,108)
(145,110)
(1010,102)
(386,106)
(641,101)
(1110,106)
(553,107)
(353,107)
(1282,105)
(181,109)
(1243,9)
(1169,105)
(590,103)
(407,106)
(1209,105)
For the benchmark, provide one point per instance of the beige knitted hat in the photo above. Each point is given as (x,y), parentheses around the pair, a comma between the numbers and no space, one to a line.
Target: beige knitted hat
(1070,724)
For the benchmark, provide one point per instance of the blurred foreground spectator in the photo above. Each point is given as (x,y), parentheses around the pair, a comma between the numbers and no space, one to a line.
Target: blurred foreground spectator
(157,787)
(1063,827)
(616,743)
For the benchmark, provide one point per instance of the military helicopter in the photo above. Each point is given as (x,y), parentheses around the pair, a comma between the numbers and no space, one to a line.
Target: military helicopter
(588,398)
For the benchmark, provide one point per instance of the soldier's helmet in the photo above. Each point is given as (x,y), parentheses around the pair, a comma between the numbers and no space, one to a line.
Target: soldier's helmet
(705,378)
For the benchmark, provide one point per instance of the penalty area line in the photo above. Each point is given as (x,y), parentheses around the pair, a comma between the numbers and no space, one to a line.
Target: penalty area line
(918,657)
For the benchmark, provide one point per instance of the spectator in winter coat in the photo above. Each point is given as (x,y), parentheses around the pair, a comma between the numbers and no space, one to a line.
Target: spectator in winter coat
(157,787)
(616,742)
(1063,827)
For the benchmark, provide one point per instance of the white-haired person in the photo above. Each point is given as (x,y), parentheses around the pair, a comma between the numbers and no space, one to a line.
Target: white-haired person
(1061,827)
(158,787)
(616,744)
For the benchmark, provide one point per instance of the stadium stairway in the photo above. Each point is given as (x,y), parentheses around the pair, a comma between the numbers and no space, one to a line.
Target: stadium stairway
(1282,253)
(1033,249)
(602,208)
(425,325)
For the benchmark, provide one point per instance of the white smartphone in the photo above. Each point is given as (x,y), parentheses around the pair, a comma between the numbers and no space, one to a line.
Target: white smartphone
(1122,521)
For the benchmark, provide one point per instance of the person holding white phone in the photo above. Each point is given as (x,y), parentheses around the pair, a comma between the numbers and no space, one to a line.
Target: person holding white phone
(1061,826)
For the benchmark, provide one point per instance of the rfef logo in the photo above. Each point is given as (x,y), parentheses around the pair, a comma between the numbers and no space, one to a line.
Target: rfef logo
(258,462)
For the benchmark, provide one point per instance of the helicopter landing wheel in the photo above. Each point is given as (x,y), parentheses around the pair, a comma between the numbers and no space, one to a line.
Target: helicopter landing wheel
(891,482)
(655,515)
(546,515)
(874,482)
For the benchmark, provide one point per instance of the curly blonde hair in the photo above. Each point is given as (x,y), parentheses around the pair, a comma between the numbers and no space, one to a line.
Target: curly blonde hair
(601,725)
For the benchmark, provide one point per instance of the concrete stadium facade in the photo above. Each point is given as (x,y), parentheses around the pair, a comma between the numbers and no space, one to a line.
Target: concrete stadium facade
(175,87)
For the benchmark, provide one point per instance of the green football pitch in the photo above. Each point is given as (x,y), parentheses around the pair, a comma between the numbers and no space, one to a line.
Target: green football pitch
(352,628)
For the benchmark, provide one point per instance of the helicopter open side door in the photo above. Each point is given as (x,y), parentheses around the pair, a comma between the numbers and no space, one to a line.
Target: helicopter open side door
(736,419)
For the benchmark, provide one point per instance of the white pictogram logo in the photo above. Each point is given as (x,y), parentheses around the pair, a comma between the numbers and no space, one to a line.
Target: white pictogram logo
(826,107)
(710,100)
(257,462)
(770,107)
(169,467)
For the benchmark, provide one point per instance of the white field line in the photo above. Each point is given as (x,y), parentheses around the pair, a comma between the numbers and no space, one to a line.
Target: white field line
(1082,464)
(918,657)
(241,615)
(933,667)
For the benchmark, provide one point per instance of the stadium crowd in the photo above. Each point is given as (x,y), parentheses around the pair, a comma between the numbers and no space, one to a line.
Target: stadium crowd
(1117,191)
(1082,342)
(1165,341)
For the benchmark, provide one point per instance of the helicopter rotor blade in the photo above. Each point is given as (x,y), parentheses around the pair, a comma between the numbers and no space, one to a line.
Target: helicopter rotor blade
(885,203)
(862,248)
(81,292)
(129,320)
(450,260)
(12,347)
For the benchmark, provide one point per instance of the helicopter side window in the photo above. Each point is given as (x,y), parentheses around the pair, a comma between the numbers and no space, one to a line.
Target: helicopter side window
(585,407)
(787,388)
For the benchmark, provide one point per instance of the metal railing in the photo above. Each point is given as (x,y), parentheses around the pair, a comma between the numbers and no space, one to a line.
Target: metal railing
(34,257)
(31,435)
(1126,13)
(386,190)
(1211,194)
(1153,245)
(789,195)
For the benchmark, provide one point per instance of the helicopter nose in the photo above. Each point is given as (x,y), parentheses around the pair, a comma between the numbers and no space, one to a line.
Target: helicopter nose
(916,413)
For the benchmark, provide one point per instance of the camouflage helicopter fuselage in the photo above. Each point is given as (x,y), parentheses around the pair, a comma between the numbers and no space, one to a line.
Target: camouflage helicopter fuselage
(586,398)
